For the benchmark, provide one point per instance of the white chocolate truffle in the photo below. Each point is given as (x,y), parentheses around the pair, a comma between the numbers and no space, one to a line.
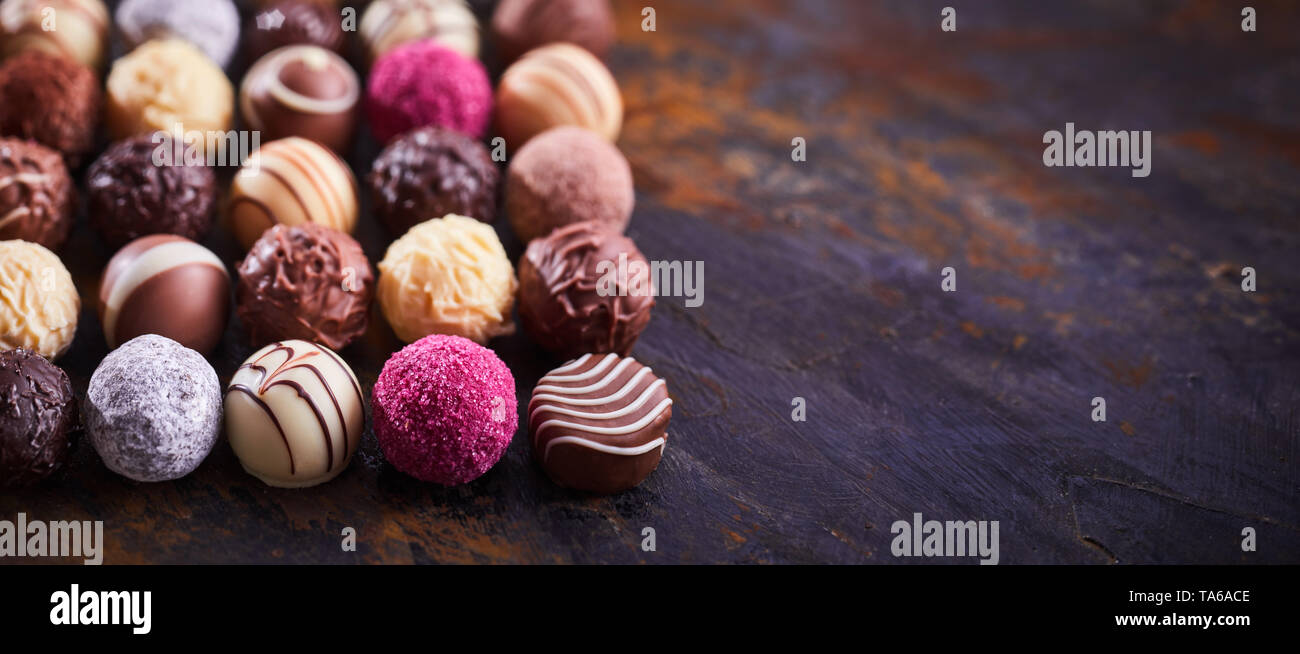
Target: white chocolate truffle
(390,23)
(38,301)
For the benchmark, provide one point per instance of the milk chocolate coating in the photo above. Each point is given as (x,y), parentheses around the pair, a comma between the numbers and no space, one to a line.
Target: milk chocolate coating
(599,423)
(521,25)
(166,285)
(37,199)
(567,175)
(51,100)
(304,23)
(131,197)
(430,172)
(305,282)
(560,301)
(302,90)
(38,413)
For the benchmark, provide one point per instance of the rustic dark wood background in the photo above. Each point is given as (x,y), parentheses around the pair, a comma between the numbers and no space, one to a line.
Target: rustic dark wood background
(822,281)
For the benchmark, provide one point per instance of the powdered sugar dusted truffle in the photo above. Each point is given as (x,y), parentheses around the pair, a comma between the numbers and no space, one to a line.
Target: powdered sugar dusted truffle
(153,409)
(444,409)
(211,25)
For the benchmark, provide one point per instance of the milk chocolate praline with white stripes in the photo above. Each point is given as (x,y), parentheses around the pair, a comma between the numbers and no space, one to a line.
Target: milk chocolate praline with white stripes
(167,285)
(598,423)
(294,414)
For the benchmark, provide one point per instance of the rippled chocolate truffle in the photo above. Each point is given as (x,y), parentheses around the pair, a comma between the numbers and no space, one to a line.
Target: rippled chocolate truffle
(568,175)
(37,414)
(430,172)
(521,25)
(299,22)
(302,90)
(50,99)
(130,196)
(566,302)
(36,196)
(305,282)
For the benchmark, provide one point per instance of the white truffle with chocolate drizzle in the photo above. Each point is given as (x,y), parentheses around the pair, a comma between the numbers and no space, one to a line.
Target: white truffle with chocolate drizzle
(294,414)
(599,423)
(390,23)
(292,181)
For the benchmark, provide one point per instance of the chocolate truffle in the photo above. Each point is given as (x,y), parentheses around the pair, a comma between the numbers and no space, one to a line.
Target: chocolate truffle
(168,285)
(302,90)
(211,25)
(40,306)
(49,99)
(390,23)
(444,409)
(521,25)
(573,298)
(170,86)
(81,34)
(36,194)
(431,172)
(448,275)
(292,181)
(305,281)
(298,22)
(130,195)
(153,409)
(599,423)
(557,84)
(423,83)
(294,414)
(37,414)
(567,175)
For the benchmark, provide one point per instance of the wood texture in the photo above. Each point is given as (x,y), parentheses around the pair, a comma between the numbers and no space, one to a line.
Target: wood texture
(822,281)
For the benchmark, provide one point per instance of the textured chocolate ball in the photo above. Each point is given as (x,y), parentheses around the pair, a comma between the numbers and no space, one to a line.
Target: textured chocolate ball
(305,282)
(37,199)
(166,84)
(431,172)
(38,412)
(568,175)
(302,90)
(131,196)
(299,22)
(40,307)
(564,305)
(52,100)
(521,25)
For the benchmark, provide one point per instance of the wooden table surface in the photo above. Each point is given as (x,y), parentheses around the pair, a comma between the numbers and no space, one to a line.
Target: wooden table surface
(822,281)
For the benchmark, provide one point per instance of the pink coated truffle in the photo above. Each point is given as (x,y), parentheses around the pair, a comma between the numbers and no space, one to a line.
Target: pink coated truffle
(423,83)
(444,409)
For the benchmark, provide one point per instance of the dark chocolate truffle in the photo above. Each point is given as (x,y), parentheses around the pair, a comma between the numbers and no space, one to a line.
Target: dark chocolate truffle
(50,99)
(38,412)
(131,196)
(521,25)
(36,194)
(574,297)
(430,172)
(305,282)
(599,423)
(567,175)
(302,90)
(299,22)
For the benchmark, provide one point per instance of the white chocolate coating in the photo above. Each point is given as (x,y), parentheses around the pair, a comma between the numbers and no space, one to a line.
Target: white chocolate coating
(38,301)
(390,23)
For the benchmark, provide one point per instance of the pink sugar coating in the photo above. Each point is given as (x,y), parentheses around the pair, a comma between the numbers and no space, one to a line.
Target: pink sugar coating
(444,409)
(423,83)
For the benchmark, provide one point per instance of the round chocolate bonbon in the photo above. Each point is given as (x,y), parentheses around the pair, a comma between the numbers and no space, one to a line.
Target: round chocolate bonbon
(130,195)
(42,307)
(429,172)
(302,90)
(38,412)
(37,198)
(292,181)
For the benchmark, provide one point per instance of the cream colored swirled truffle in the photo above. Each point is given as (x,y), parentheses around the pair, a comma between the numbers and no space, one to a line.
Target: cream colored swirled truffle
(38,301)
(390,23)
(448,275)
(166,84)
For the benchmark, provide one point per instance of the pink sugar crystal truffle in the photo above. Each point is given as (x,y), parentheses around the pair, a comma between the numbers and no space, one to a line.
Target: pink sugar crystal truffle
(423,83)
(444,409)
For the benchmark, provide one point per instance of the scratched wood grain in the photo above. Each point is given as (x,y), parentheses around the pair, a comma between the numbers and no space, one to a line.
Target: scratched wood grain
(822,282)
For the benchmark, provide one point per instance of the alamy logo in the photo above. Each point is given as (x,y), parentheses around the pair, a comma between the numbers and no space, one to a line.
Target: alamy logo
(1104,148)
(660,278)
(91,607)
(37,538)
(952,538)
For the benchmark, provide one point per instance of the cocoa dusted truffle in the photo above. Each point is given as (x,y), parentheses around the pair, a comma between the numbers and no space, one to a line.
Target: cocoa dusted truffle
(131,196)
(521,25)
(302,90)
(430,172)
(299,22)
(36,195)
(567,175)
(50,99)
(569,305)
(38,412)
(305,282)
